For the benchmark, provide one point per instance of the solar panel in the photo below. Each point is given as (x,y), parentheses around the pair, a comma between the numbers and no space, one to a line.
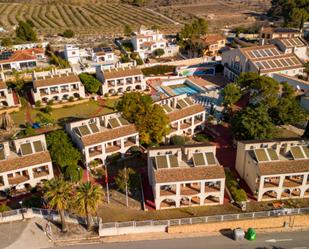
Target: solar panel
(161,162)
(198,159)
(259,65)
(289,61)
(263,53)
(5,55)
(261,155)
(252,54)
(268,52)
(273,65)
(306,150)
(295,60)
(272,155)
(257,54)
(297,153)
(94,128)
(284,62)
(2,155)
(114,123)
(84,130)
(26,149)
(189,101)
(274,51)
(38,147)
(265,64)
(123,121)
(210,158)
(167,108)
(181,103)
(173,161)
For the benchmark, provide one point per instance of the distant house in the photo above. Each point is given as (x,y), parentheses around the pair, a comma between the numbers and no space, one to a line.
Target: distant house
(212,44)
(100,137)
(146,41)
(20,59)
(104,56)
(6,95)
(58,85)
(184,176)
(121,80)
(72,53)
(273,33)
(24,163)
(265,60)
(274,169)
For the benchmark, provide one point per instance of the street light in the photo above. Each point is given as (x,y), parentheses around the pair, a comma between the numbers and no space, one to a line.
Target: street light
(21,209)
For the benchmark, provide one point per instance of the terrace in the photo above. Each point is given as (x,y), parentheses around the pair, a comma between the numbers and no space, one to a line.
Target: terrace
(41,171)
(270,182)
(293,181)
(190,189)
(18,178)
(212,187)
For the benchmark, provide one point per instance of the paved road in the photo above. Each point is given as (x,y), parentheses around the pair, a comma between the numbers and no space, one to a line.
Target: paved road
(291,240)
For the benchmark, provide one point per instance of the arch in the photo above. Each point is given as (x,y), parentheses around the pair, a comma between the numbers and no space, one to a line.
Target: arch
(285,193)
(45,99)
(296,192)
(195,200)
(168,203)
(307,192)
(133,150)
(120,90)
(28,186)
(4,103)
(198,129)
(129,88)
(76,95)
(96,163)
(65,97)
(211,199)
(184,202)
(111,91)
(270,194)
(55,98)
(138,87)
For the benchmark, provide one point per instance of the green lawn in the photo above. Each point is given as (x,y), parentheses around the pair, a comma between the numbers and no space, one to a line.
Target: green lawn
(85,110)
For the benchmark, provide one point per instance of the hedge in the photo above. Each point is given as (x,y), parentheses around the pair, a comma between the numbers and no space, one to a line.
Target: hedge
(158,70)
(238,194)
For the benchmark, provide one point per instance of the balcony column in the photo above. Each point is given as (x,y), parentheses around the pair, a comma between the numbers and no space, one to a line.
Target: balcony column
(122,149)
(280,186)
(178,125)
(30,173)
(202,193)
(5,180)
(177,199)
(137,140)
(305,176)
(221,191)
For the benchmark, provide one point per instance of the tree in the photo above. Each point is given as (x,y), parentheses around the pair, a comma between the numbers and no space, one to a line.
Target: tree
(252,123)
(178,140)
(58,194)
(87,200)
(231,94)
(149,118)
(6,42)
(196,29)
(158,52)
(68,33)
(25,32)
(92,85)
(127,30)
(63,153)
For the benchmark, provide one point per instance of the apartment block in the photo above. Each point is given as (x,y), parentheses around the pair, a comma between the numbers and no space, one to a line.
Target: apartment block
(275,169)
(24,163)
(121,80)
(100,137)
(56,85)
(185,176)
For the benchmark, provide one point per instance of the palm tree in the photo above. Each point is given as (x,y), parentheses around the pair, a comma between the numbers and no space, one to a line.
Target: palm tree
(58,194)
(88,198)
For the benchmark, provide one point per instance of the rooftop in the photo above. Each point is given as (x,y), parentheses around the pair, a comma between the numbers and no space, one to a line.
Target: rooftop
(55,80)
(120,73)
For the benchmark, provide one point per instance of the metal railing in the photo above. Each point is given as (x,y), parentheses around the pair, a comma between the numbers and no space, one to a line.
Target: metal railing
(208,219)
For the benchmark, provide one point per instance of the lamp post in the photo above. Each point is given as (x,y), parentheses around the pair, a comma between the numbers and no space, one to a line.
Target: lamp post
(21,209)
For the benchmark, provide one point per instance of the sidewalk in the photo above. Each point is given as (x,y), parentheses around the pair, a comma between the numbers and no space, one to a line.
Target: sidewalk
(24,234)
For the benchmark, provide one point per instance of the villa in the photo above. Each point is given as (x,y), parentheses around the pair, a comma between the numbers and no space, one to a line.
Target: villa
(100,137)
(24,163)
(212,44)
(185,117)
(273,33)
(56,85)
(104,56)
(275,169)
(146,41)
(265,60)
(6,95)
(185,176)
(121,80)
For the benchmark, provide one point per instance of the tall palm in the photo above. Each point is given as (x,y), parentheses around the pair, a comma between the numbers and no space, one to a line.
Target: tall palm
(88,198)
(58,194)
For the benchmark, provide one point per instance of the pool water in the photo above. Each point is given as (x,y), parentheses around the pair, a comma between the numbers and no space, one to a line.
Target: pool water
(181,89)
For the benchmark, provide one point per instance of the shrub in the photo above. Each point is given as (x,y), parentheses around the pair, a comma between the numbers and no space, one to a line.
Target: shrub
(158,70)
(106,95)
(50,102)
(201,137)
(33,201)
(238,194)
(68,33)
(47,109)
(4,208)
(92,85)
(44,118)
(71,99)
(37,103)
(177,140)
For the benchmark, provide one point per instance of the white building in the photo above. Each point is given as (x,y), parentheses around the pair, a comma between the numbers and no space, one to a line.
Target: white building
(265,60)
(72,53)
(102,136)
(56,85)
(185,117)
(274,169)
(185,176)
(121,80)
(6,96)
(24,163)
(105,56)
(145,41)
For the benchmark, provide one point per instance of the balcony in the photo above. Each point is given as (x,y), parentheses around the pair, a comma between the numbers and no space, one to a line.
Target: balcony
(185,125)
(18,179)
(95,153)
(54,92)
(2,97)
(129,144)
(113,148)
(292,182)
(65,90)
(271,183)
(212,189)
(43,93)
(167,192)
(42,173)
(75,89)
(193,190)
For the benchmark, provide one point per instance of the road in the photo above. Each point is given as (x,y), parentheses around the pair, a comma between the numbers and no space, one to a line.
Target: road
(290,240)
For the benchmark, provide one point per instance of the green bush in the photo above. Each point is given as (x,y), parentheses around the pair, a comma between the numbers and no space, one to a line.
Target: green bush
(158,70)
(71,99)
(37,103)
(177,140)
(47,109)
(44,118)
(68,33)
(92,85)
(238,194)
(50,102)
(202,137)
(4,208)
(33,201)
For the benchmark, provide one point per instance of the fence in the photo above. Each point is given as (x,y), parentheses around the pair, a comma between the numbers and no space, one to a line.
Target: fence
(118,228)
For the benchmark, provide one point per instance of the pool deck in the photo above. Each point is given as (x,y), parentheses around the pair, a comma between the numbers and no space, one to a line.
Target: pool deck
(168,90)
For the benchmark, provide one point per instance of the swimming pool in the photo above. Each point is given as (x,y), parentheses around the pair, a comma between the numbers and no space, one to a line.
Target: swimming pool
(181,89)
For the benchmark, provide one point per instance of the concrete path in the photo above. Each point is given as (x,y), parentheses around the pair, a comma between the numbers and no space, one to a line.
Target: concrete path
(24,235)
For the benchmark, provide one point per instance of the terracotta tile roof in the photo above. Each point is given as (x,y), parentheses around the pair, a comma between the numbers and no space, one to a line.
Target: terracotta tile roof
(120,73)
(56,81)
(284,167)
(189,174)
(25,161)
(214,38)
(19,56)
(109,134)
(2,85)
(182,113)
(148,44)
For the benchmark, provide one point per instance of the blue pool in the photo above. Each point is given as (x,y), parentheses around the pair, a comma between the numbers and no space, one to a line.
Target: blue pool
(185,89)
